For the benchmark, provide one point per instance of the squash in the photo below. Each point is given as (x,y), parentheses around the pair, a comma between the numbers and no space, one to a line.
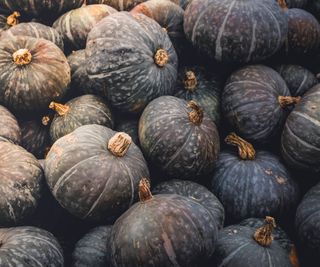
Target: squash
(253,183)
(129,125)
(93,249)
(94,172)
(195,192)
(75,25)
(82,110)
(300,137)
(29,246)
(179,138)
(21,182)
(9,127)
(120,5)
(33,72)
(133,58)
(254,102)
(236,31)
(163,230)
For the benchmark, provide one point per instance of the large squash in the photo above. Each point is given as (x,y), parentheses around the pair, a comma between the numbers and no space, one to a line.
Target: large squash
(9,127)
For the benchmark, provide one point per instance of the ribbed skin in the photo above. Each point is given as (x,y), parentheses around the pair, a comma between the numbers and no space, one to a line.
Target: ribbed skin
(9,127)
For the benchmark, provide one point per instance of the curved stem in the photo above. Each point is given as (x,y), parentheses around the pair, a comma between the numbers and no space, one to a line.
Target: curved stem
(196,115)
(144,190)
(245,150)
(119,144)
(263,235)
(13,18)
(59,108)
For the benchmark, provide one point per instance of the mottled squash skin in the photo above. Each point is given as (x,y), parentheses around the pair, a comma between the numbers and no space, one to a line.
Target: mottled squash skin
(167,230)
(21,182)
(75,25)
(235,31)
(173,143)
(121,54)
(93,249)
(32,87)
(195,192)
(29,246)
(9,127)
(88,180)
(120,5)
(300,137)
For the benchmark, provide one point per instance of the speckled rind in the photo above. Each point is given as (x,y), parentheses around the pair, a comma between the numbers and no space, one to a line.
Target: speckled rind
(129,125)
(29,246)
(167,230)
(300,137)
(9,127)
(195,192)
(89,181)
(254,188)
(120,55)
(120,5)
(32,87)
(93,249)
(75,25)
(21,182)
(233,31)
(173,143)
(83,110)
(250,102)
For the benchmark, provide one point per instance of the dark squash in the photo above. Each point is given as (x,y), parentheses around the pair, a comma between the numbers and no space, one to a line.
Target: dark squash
(300,137)
(93,249)
(94,172)
(195,83)
(236,31)
(21,182)
(195,192)
(83,110)
(33,73)
(254,102)
(163,230)
(7,21)
(129,125)
(120,5)
(253,183)
(29,246)
(75,25)
(179,138)
(133,58)
(9,127)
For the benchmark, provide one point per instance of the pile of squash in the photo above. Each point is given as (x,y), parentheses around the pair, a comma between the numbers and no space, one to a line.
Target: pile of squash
(160,133)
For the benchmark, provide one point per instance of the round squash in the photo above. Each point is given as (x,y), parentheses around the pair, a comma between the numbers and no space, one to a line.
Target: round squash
(93,249)
(94,172)
(179,138)
(75,25)
(236,31)
(120,5)
(300,137)
(21,182)
(253,183)
(129,125)
(195,83)
(163,230)
(29,246)
(133,58)
(83,110)
(254,102)
(195,192)
(33,72)
(9,127)
(7,21)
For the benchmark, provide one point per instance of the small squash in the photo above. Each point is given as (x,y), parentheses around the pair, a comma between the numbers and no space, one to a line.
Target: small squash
(9,127)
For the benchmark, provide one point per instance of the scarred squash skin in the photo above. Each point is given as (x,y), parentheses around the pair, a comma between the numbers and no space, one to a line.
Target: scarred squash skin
(9,127)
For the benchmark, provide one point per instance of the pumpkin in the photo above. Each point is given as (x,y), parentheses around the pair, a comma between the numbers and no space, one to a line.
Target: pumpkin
(93,249)
(163,230)
(20,187)
(195,83)
(83,110)
(120,5)
(253,183)
(75,25)
(33,72)
(9,127)
(195,192)
(94,172)
(133,58)
(36,30)
(300,137)
(236,31)
(239,245)
(8,21)
(129,125)
(179,138)
(298,79)
(29,246)
(254,102)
